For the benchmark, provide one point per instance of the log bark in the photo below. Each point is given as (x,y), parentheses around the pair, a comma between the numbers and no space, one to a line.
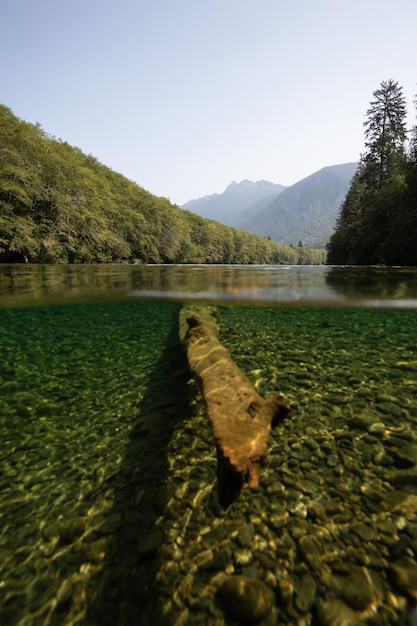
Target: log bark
(241,419)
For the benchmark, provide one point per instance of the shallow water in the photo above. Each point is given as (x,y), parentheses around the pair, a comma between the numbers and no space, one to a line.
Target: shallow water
(235,284)
(108,504)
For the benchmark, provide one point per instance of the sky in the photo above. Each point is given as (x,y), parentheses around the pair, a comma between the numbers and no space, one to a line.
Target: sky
(186,96)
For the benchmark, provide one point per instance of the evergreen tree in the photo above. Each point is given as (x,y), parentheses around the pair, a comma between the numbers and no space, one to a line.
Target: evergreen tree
(413,140)
(349,224)
(385,134)
(372,211)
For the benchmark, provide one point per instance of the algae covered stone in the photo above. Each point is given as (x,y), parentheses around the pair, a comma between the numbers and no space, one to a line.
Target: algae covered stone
(334,612)
(247,599)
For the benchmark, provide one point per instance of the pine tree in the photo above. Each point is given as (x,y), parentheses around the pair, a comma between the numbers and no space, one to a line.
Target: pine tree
(413,140)
(385,135)
(364,213)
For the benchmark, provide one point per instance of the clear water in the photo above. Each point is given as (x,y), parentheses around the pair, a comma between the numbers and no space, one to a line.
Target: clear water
(376,286)
(107,479)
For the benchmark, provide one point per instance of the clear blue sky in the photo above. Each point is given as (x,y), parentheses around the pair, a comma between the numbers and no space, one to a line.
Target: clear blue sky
(185,96)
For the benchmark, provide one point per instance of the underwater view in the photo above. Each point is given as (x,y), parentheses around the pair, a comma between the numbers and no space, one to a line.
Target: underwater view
(109,506)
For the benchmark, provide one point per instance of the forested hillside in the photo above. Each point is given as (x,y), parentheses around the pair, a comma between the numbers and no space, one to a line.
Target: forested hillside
(58,205)
(378,219)
(306,211)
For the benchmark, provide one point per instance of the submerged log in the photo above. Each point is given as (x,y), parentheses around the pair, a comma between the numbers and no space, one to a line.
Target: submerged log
(241,419)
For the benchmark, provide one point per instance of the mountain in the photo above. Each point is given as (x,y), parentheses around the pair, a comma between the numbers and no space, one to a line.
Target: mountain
(229,207)
(306,211)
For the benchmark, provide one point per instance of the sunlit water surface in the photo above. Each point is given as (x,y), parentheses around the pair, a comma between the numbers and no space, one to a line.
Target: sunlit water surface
(108,504)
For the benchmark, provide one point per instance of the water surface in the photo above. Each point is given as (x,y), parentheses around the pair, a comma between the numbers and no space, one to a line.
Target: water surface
(257,284)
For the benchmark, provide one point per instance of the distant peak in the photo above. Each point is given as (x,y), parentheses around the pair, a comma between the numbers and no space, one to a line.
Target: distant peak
(243,183)
(247,185)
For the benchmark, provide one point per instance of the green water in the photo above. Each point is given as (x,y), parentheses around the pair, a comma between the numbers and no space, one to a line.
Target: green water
(108,466)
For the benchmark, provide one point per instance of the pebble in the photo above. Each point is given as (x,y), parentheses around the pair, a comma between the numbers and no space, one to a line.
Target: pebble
(243,556)
(403,478)
(363,422)
(410,366)
(245,535)
(364,532)
(390,408)
(405,578)
(247,598)
(355,587)
(332,460)
(310,550)
(338,398)
(204,559)
(377,428)
(334,612)
(316,511)
(405,454)
(306,593)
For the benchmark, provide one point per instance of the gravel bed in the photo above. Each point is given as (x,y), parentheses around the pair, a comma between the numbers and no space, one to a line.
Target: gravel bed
(108,503)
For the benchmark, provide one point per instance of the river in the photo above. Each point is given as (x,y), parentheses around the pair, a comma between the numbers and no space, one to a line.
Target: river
(109,512)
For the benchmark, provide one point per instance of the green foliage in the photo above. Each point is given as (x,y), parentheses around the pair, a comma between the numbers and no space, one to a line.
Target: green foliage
(58,205)
(378,219)
(385,134)
(413,141)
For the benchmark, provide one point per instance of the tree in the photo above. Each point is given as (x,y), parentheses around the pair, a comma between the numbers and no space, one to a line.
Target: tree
(368,216)
(351,221)
(385,134)
(413,140)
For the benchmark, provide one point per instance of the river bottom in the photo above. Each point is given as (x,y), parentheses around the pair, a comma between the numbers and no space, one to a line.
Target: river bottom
(108,482)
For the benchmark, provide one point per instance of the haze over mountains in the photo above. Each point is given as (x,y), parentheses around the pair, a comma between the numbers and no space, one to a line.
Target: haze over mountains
(229,207)
(306,211)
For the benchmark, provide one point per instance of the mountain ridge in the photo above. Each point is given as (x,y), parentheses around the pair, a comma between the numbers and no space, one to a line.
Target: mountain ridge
(305,211)
(227,206)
